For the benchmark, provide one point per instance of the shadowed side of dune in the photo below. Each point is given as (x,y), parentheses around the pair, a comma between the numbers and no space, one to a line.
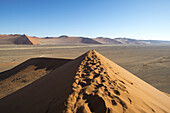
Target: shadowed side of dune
(27,72)
(39,63)
(68,40)
(49,92)
(18,39)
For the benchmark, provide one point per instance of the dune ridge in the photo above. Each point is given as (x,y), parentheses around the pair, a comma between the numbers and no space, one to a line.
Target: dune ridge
(93,86)
(90,83)
(94,90)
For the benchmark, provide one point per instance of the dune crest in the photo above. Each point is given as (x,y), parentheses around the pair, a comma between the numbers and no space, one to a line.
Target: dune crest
(101,89)
(94,90)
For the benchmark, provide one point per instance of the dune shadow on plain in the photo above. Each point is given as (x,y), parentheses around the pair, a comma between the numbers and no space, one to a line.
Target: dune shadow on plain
(48,63)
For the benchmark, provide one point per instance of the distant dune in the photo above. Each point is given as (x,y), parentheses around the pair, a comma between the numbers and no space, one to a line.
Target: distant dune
(90,83)
(34,40)
(18,39)
(68,40)
(129,41)
(155,42)
(107,40)
(28,40)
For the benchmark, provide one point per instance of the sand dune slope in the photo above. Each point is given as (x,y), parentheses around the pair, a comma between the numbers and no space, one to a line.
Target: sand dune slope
(68,40)
(107,40)
(18,39)
(27,72)
(90,83)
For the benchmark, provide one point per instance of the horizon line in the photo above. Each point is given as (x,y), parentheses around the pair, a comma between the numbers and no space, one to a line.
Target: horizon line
(79,36)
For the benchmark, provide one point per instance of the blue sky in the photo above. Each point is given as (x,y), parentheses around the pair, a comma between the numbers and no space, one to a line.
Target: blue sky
(139,19)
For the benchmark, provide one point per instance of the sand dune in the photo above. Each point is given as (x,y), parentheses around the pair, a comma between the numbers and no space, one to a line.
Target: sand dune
(26,73)
(18,39)
(28,40)
(34,40)
(68,40)
(129,41)
(107,40)
(90,83)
